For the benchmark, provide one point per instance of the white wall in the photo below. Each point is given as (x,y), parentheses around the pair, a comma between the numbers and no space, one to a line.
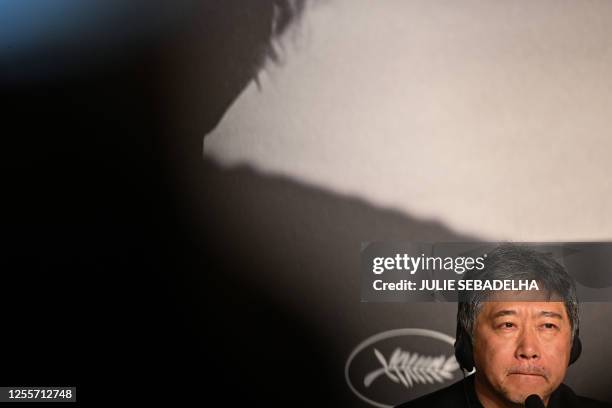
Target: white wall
(491,117)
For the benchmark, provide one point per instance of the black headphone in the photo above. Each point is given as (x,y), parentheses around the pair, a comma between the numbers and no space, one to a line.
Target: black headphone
(464,353)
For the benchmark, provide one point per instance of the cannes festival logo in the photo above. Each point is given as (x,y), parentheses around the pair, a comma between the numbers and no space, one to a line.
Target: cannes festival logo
(401,366)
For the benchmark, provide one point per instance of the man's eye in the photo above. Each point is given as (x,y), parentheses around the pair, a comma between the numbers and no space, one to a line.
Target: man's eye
(508,325)
(549,326)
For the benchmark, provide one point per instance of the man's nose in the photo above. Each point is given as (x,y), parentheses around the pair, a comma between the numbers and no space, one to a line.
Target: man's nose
(528,346)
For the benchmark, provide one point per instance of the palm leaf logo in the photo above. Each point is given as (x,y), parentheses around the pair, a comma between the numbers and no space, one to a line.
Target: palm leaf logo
(410,369)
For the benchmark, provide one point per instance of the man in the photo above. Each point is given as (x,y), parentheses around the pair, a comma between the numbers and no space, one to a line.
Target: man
(520,343)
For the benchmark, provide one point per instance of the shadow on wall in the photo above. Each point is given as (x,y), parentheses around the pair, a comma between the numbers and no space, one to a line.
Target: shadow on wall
(283,278)
(298,246)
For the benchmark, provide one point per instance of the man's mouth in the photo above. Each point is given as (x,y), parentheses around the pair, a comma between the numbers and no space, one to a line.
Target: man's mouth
(532,372)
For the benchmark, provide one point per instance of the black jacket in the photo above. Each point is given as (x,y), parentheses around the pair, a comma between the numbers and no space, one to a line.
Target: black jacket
(457,395)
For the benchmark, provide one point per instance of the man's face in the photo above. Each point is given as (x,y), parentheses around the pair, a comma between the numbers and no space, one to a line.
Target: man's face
(520,348)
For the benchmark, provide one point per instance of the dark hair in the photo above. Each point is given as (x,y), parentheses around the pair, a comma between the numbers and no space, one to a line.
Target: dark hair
(514,262)
(285,13)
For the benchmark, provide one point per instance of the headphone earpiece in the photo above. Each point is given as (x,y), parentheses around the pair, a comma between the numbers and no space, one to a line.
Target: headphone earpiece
(576,349)
(463,349)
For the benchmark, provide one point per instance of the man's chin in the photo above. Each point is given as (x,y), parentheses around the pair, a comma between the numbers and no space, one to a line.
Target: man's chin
(517,396)
(517,390)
